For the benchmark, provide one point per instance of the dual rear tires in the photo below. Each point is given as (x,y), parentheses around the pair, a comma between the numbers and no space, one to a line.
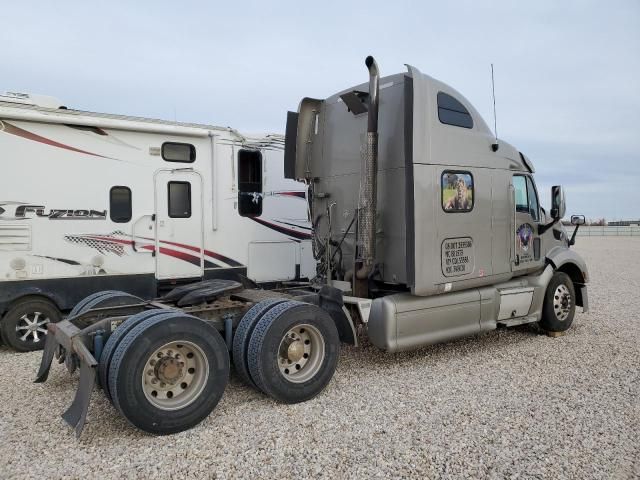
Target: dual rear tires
(286,349)
(165,372)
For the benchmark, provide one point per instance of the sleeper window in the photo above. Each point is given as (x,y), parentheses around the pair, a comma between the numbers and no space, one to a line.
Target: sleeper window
(179,194)
(457,191)
(120,204)
(178,152)
(452,112)
(250,183)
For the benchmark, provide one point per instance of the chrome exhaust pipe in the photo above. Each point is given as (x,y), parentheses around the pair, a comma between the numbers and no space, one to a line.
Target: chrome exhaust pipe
(368,182)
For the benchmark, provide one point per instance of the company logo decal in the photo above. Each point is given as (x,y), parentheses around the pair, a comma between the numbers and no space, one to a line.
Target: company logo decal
(23,211)
(525,233)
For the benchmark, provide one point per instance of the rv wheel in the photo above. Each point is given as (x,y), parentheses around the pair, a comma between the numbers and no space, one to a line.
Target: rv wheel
(113,342)
(168,373)
(293,352)
(24,326)
(243,336)
(559,304)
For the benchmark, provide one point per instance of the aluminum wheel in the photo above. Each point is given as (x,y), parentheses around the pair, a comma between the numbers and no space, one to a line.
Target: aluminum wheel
(562,302)
(175,375)
(32,327)
(301,353)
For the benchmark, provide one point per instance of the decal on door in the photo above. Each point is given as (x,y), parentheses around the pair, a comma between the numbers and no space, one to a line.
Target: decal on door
(457,256)
(524,238)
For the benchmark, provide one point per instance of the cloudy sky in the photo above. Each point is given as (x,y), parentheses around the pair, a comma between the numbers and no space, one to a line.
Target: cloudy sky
(567,73)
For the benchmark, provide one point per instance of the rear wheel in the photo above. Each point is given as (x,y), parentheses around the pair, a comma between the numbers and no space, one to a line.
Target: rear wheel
(114,340)
(559,305)
(243,336)
(79,308)
(293,352)
(168,373)
(24,326)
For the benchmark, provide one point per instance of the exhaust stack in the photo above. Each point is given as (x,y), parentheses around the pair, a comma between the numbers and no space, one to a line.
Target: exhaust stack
(368,182)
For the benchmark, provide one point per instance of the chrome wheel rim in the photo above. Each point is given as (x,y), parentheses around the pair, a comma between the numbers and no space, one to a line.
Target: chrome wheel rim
(301,353)
(175,375)
(562,302)
(32,327)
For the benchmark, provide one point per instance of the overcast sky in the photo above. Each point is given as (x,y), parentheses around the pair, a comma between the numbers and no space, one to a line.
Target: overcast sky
(567,73)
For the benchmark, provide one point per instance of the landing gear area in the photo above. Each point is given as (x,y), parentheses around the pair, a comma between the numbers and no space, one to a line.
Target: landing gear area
(166,368)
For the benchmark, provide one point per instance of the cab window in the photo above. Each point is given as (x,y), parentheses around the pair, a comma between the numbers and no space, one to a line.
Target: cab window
(533,200)
(526,196)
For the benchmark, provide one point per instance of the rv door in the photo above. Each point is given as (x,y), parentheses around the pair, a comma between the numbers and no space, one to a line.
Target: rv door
(527,248)
(179,224)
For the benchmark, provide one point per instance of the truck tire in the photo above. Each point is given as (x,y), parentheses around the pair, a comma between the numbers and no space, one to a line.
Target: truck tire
(559,305)
(79,308)
(168,373)
(243,336)
(114,340)
(24,326)
(293,352)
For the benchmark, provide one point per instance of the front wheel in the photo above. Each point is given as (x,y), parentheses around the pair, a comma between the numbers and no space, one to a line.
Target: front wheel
(168,373)
(559,305)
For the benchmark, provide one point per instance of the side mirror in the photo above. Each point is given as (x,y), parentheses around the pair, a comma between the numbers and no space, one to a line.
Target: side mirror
(577,220)
(558,205)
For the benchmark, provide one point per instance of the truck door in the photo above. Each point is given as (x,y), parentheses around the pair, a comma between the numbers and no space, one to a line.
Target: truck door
(179,224)
(526,248)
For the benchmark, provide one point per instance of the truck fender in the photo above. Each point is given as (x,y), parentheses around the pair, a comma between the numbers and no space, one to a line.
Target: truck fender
(568,261)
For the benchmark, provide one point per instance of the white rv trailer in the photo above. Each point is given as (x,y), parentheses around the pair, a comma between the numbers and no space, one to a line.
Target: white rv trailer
(92,201)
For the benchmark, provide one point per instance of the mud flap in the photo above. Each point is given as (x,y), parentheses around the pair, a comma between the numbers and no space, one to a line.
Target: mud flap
(76,414)
(50,347)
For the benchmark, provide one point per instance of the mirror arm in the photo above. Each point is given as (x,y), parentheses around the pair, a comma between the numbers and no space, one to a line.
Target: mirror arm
(573,237)
(544,228)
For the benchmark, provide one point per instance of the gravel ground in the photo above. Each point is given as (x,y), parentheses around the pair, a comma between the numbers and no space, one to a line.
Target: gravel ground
(510,403)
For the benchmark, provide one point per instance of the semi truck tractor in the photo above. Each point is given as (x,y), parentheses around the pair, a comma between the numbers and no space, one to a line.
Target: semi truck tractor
(426,228)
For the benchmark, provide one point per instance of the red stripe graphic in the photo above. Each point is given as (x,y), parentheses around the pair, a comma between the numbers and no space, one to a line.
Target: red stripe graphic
(164,251)
(12,129)
(208,253)
(278,228)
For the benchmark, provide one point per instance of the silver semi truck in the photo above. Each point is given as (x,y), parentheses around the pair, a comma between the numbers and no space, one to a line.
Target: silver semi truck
(425,228)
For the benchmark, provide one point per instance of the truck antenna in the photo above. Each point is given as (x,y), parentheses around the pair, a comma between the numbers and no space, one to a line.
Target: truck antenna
(495,146)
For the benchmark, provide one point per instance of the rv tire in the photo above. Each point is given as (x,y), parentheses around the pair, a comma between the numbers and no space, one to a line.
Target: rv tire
(168,373)
(114,340)
(559,305)
(243,336)
(293,352)
(24,326)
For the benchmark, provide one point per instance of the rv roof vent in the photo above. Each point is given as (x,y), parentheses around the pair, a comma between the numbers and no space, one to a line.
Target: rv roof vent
(43,101)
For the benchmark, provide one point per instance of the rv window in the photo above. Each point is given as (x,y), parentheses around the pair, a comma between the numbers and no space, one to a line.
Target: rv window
(178,152)
(452,112)
(120,204)
(179,199)
(250,183)
(457,191)
(534,210)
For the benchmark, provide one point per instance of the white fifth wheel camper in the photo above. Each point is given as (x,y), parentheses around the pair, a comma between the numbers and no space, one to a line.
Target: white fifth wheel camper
(92,201)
